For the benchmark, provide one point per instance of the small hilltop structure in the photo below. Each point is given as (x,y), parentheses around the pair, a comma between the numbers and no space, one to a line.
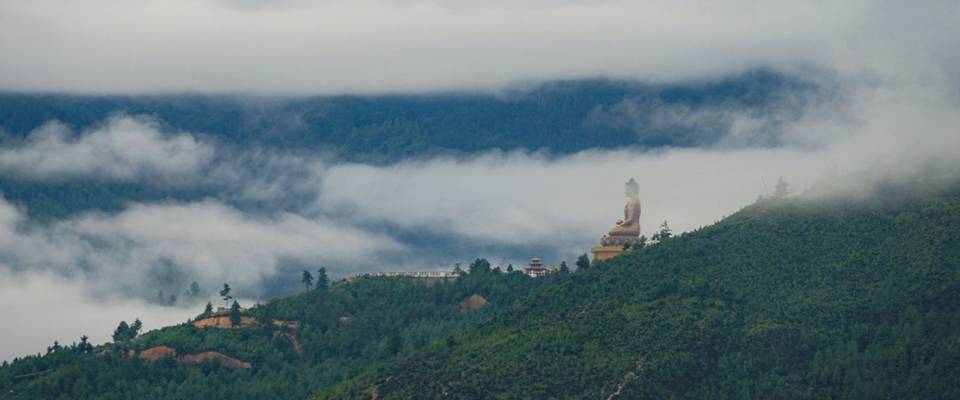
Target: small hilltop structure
(626,232)
(428,277)
(536,268)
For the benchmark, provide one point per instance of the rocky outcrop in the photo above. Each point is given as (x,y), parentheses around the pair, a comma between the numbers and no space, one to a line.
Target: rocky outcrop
(286,324)
(223,359)
(293,338)
(473,303)
(223,322)
(158,352)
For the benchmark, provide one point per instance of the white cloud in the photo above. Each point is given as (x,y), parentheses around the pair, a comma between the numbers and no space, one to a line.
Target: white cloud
(206,241)
(531,199)
(568,202)
(122,149)
(39,308)
(97,46)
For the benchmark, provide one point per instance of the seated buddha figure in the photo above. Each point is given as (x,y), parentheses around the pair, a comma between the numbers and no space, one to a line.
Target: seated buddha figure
(630,224)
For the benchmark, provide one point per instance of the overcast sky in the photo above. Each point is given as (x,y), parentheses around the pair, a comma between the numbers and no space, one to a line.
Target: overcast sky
(294,46)
(897,64)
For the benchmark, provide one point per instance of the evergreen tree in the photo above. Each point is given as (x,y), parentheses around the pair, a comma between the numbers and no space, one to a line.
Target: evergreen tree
(640,243)
(307,280)
(120,334)
(322,280)
(84,346)
(563,268)
(135,328)
(480,266)
(194,289)
(125,332)
(583,262)
(235,314)
(509,268)
(665,232)
(208,310)
(225,294)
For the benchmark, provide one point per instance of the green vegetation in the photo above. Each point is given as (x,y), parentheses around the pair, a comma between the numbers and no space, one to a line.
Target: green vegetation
(787,298)
(345,330)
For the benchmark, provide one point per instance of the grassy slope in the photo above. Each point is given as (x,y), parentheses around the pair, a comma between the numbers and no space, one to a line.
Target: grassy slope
(783,299)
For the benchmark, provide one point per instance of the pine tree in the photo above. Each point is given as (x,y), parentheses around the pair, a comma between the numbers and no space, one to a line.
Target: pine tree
(135,328)
(564,269)
(583,262)
(84,346)
(641,243)
(307,280)
(322,280)
(120,334)
(235,314)
(665,232)
(480,266)
(208,310)
(225,294)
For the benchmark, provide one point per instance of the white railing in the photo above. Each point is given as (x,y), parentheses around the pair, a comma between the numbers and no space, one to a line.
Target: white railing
(419,274)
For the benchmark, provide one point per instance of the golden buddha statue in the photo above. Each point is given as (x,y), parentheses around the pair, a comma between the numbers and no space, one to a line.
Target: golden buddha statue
(627,230)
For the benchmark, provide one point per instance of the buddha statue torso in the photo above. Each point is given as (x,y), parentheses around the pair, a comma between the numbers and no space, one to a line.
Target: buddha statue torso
(630,224)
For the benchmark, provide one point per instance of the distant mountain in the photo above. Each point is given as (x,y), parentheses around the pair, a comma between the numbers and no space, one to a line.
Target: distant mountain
(562,117)
(788,298)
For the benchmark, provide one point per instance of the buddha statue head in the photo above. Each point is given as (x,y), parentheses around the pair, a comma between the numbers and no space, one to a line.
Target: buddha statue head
(632,188)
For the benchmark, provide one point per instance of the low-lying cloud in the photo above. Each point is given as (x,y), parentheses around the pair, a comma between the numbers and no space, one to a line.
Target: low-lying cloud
(39,308)
(122,149)
(148,247)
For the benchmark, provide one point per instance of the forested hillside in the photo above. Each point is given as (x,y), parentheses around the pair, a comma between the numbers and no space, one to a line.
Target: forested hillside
(336,333)
(812,297)
(785,299)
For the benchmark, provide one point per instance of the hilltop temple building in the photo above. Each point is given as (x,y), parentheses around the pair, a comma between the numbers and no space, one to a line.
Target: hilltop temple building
(536,269)
(626,231)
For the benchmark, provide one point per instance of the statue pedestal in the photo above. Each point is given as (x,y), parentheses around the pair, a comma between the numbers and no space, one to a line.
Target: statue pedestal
(601,253)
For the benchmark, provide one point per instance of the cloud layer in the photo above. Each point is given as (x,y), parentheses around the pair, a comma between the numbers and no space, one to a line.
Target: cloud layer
(39,308)
(122,149)
(385,46)
(149,247)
